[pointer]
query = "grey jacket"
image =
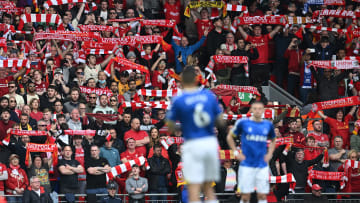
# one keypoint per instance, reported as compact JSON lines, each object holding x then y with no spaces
{"x":132,"y":184}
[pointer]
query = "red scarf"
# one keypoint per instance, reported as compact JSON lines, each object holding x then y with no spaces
{"x":80,"y":132}
{"x":49,"y":3}
{"x":98,"y":91}
{"x":336,"y":64}
{"x":122,"y":168}
{"x":104,"y":117}
{"x":326,"y":175}
{"x":166,"y":143}
{"x":288,"y":178}
{"x":158,"y":93}
{"x":337,"y":103}
{"x":273,"y":19}
{"x":124,"y":20}
{"x":32,"y":147}
{"x":92,"y":28}
{"x":141,"y":104}
{"x":229,"y":90}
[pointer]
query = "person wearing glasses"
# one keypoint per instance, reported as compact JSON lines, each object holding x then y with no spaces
{"x":30,"y":93}
{"x":36,"y":193}
{"x":79,"y":80}
{"x":91,"y":104}
{"x":112,"y":189}
{"x":12,"y":93}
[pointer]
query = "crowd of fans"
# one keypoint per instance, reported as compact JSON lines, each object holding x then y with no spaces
{"x":48,"y":94}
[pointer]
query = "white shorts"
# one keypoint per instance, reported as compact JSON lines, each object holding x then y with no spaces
{"x":201,"y":160}
{"x":250,"y":177}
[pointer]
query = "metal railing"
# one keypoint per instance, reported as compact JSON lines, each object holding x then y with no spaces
{"x":173,"y":197}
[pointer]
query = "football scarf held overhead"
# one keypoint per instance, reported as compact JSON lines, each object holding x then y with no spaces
{"x":7,"y":63}
{"x":159,"y":23}
{"x":49,"y":3}
{"x":104,"y":117}
{"x":206,"y":4}
{"x":228,"y":90}
{"x":335,"y":13}
{"x":337,"y":103}
{"x":92,"y":28}
{"x":321,"y":28}
{"x":273,"y":19}
{"x":80,"y":132}
{"x":122,"y":168}
{"x":133,"y":40}
{"x":41,"y":18}
{"x":98,"y":91}
{"x":326,"y":2}
{"x":32,"y":147}
{"x":335,"y":64}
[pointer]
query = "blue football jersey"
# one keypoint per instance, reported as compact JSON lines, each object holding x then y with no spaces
{"x":197,"y":112}
{"x":254,"y":136}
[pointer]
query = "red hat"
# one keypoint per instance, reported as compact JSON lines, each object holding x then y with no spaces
{"x":316,"y":187}
{"x":268,"y":114}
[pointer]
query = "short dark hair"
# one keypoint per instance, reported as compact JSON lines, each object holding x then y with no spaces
{"x":157,"y":146}
{"x":188,"y":75}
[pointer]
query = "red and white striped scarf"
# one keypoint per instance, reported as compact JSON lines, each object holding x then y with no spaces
{"x":49,"y":3}
{"x":235,"y":116}
{"x":87,"y":7}
{"x":239,"y":8}
{"x":288,"y":178}
{"x":14,"y":63}
{"x":141,"y":104}
{"x":158,"y":93}
{"x":41,"y":18}
{"x":97,"y":51}
{"x":122,"y":168}
{"x":166,"y":143}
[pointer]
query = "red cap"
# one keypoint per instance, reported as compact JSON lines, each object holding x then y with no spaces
{"x":268,"y":113}
{"x":316,"y":187}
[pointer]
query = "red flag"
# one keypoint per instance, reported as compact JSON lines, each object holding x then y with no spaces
{"x":108,"y":137}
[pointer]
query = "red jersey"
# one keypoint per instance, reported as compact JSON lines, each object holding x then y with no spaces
{"x":172,"y":12}
{"x":42,"y":87}
{"x":321,"y":139}
{"x":139,"y":135}
{"x":80,"y":157}
{"x":299,"y":138}
{"x":203,"y":25}
{"x":340,"y":128}
{"x":131,"y":156}
{"x":311,"y":153}
{"x":353,"y":184}
{"x":4,"y":89}
{"x":2,"y":170}
{"x":154,"y":79}
{"x":262,"y":45}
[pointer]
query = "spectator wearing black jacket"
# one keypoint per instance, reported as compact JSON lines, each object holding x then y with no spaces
{"x":36,"y":193}
{"x":216,"y":37}
{"x":238,"y":73}
{"x":47,"y":101}
{"x":296,"y":165}
{"x":159,"y":168}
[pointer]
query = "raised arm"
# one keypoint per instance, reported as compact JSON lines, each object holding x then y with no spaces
{"x":275,"y":31}
{"x":243,"y":33}
{"x":106,"y":61}
{"x":321,"y":114}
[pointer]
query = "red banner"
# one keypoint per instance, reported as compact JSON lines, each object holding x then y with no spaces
{"x":98,"y":91}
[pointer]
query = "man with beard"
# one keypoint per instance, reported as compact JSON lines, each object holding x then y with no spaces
{"x":30,"y":93}
{"x":47,"y":100}
{"x":141,"y":137}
